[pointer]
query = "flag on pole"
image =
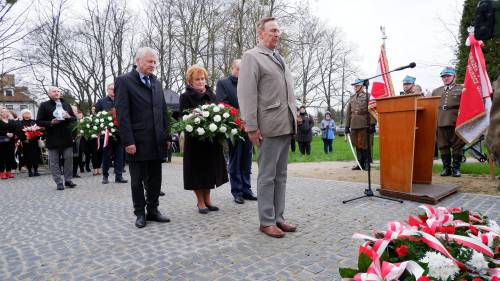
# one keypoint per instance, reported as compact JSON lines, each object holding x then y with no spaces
{"x":475,"y":102}
{"x":382,"y":85}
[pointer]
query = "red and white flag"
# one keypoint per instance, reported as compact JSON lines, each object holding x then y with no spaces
{"x":106,"y":138}
{"x":382,"y":85}
{"x":475,"y":103}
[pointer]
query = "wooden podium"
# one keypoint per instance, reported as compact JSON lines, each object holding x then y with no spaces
{"x":407,"y":133}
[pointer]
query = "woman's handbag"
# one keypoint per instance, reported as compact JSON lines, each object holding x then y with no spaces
{"x":329,"y":134}
{"x":41,"y":143}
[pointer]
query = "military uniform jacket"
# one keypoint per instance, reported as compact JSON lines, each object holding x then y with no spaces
{"x":357,"y":112}
{"x":449,"y":104}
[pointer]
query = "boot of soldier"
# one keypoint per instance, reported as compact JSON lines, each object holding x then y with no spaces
{"x":446,"y":165}
{"x":455,"y":167}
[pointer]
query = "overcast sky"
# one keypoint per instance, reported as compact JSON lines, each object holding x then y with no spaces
{"x":416,"y":31}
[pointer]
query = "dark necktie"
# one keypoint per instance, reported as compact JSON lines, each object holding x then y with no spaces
{"x":278,"y":57}
{"x":147,"y":82}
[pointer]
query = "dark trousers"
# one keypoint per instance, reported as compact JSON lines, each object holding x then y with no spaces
{"x":113,"y":149}
{"x":96,"y":154}
{"x":7,"y":160}
{"x":305,"y":148}
{"x":292,"y":144}
{"x":327,"y":145}
{"x":145,"y":175}
{"x":449,"y":143}
{"x":240,"y":167}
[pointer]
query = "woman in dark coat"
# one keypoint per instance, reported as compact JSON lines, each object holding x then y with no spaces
{"x":8,"y":129}
{"x":204,"y":164}
{"x":31,"y":150}
{"x":305,"y":123}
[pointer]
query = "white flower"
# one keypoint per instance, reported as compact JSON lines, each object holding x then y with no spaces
{"x":216,"y":109}
{"x":221,"y":105}
{"x":99,"y":113}
{"x":113,"y":130}
{"x":234,"y":131}
{"x":440,"y":266}
{"x":477,"y":261}
{"x":110,"y":118}
{"x":185,"y":117}
{"x":93,"y":136}
{"x":189,"y":128}
{"x":217,"y":118}
{"x":88,"y":125}
{"x":81,"y":132}
{"x":197,"y":120}
{"x":103,"y":132}
{"x":205,"y":114}
{"x":102,"y":125}
{"x":95,"y":128}
{"x":212,"y":127}
{"x":205,"y":106}
{"x":225,"y":115}
{"x":200,"y":131}
{"x":81,"y":120}
{"x":111,"y":124}
{"x":222,"y":129}
{"x":101,"y":120}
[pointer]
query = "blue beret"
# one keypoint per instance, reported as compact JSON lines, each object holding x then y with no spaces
{"x":358,"y":82}
{"x":409,"y":80}
{"x":448,"y":71}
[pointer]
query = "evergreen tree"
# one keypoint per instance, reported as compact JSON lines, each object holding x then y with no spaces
{"x":491,"y":49}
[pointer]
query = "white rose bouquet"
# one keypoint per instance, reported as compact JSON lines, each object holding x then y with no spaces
{"x":215,"y":122}
{"x":95,"y":125}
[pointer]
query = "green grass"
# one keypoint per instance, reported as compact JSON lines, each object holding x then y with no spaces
{"x":470,"y":168}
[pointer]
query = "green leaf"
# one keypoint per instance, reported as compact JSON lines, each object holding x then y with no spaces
{"x":364,"y":262}
{"x":463,"y":216}
{"x":347,"y":272}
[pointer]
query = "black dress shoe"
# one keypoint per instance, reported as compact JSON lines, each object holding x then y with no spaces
{"x":250,"y":197}
{"x":203,"y":210}
{"x":105,"y":180}
{"x":212,"y":208}
{"x":36,"y":174}
{"x":76,"y":176}
{"x":60,"y":187}
{"x":355,"y":168}
{"x":140,"y":222}
{"x":157,"y":216}
{"x":162,"y":193}
{"x":121,"y":180}
{"x":239,"y":200}
{"x":70,"y":184}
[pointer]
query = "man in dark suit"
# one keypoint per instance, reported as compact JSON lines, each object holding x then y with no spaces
{"x":240,"y":152}
{"x":114,"y":147}
{"x":143,"y":121}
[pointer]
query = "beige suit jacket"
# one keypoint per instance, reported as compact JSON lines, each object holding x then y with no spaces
{"x":265,"y":94}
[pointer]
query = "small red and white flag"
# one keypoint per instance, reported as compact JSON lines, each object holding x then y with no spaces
{"x":475,"y":102}
{"x":382,"y":85}
{"x":106,"y":138}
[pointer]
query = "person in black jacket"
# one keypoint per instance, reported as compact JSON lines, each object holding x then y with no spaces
{"x":31,"y":150}
{"x":114,"y":149}
{"x":304,"y":130}
{"x":8,"y":130}
{"x":57,"y":116}
{"x":143,"y":121}
{"x":240,"y":153}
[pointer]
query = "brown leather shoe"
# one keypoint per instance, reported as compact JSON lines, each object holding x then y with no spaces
{"x":272,"y":231}
{"x":286,"y":227}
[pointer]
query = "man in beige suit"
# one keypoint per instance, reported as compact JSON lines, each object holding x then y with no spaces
{"x":267,"y":105}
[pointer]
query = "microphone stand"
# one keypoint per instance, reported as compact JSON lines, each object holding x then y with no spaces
{"x":369,"y":192}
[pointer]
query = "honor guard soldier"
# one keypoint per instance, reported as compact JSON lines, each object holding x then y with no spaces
{"x":450,"y":145}
{"x":356,"y":123}
{"x":408,"y":85}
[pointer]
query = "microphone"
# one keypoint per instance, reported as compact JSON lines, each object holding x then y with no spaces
{"x":411,"y":65}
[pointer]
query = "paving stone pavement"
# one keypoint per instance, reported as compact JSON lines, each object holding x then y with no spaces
{"x":88,"y":233}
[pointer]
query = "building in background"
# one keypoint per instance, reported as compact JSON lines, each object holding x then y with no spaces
{"x":15,"y":98}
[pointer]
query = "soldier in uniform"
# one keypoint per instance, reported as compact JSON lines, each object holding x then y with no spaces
{"x":408,"y":85}
{"x":450,"y":145}
{"x":356,"y":123}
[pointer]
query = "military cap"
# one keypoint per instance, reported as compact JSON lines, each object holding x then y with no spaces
{"x":448,"y":71}
{"x":409,"y":80}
